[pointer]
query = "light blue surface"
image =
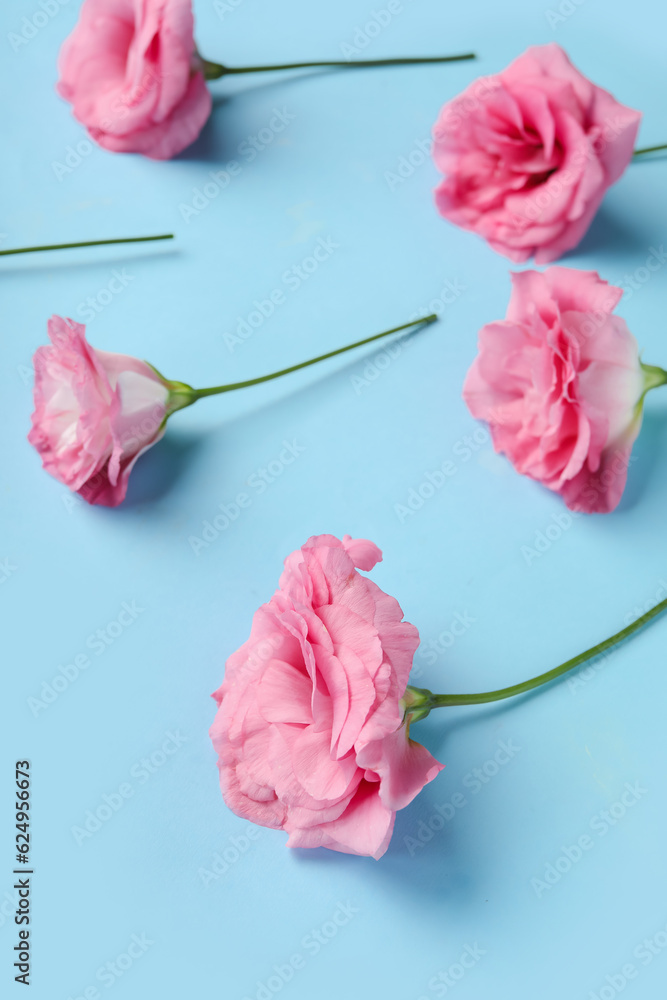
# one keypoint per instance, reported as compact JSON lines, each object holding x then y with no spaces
{"x":366,"y":444}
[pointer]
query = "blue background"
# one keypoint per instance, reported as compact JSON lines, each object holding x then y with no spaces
{"x":156,"y":866}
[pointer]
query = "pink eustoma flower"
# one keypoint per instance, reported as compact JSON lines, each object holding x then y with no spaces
{"x":528,"y":155}
{"x":95,"y":413}
{"x":132,"y":75}
{"x":310,"y":731}
{"x":560,"y":383}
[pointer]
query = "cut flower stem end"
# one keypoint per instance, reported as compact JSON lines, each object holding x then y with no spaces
{"x":650,"y":149}
{"x":419,"y":701}
{"x":182,"y":395}
{"x":89,"y":243}
{"x":213,"y":70}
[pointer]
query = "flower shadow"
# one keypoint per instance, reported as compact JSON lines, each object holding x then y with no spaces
{"x":214,"y":143}
{"x":59,"y":260}
{"x":645,"y":463}
{"x":609,"y":237}
{"x":158,"y":471}
{"x":657,"y":154}
{"x":219,"y":140}
{"x":448,"y":869}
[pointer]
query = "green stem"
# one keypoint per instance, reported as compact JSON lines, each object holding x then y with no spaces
{"x":90,"y":243}
{"x":213,"y":70}
{"x":216,"y":389}
{"x":649,"y":149}
{"x":423,"y":701}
